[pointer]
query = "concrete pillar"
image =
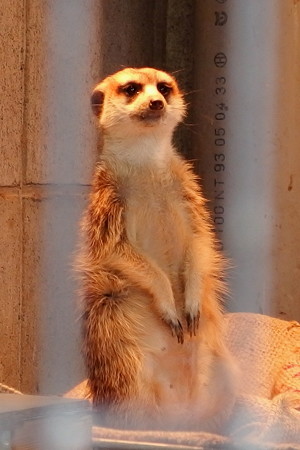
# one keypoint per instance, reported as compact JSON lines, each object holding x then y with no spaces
{"x":12,"y":56}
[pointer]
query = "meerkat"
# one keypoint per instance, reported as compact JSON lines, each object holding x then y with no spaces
{"x":152,"y":275}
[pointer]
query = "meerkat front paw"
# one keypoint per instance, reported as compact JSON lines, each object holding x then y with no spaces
{"x":192,"y":321}
{"x":176,"y":329}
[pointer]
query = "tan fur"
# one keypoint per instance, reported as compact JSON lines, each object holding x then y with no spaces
{"x":152,"y":276}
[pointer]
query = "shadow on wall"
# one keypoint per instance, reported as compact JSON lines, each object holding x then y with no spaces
{"x":158,"y":34}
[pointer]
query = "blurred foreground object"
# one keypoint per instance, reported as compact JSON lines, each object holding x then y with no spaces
{"x":46,"y":423}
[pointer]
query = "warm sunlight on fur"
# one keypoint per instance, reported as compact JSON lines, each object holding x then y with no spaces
{"x":152,"y":275}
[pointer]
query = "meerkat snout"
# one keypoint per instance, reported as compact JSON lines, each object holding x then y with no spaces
{"x":152,"y":110}
{"x":156,"y":105}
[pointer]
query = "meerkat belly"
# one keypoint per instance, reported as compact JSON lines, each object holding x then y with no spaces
{"x":159,"y":229}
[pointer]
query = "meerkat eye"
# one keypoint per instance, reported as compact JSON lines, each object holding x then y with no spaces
{"x":131,"y":89}
{"x":164,"y":89}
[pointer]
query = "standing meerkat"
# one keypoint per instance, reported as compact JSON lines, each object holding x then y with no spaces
{"x":152,"y":275}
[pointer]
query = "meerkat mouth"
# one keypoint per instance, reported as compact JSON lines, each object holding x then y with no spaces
{"x":149,"y":116}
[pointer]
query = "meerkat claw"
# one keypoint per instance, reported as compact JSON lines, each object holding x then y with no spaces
{"x":192,"y":323}
{"x":176,"y":329}
{"x":179,"y":333}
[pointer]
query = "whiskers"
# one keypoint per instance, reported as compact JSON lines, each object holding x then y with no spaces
{"x":175,"y":72}
{"x":114,"y":113}
{"x":194,"y":91}
{"x":193,"y":127}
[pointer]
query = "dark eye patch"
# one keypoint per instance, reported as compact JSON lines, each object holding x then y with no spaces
{"x":164,"y":88}
{"x":131,"y":89}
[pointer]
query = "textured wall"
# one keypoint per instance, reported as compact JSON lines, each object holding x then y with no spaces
{"x":286,"y":231}
{"x":12,"y":56}
{"x":48,"y":148}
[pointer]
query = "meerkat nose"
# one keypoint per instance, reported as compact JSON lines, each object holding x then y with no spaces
{"x":156,"y":105}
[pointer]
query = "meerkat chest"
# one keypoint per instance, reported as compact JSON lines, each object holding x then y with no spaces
{"x":156,"y":220}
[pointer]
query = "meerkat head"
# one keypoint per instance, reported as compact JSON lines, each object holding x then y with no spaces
{"x":138,"y":101}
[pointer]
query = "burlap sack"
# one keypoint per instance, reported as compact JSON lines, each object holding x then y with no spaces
{"x":266,"y":413}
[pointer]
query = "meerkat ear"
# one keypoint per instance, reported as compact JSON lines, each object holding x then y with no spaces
{"x":97,"y":99}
